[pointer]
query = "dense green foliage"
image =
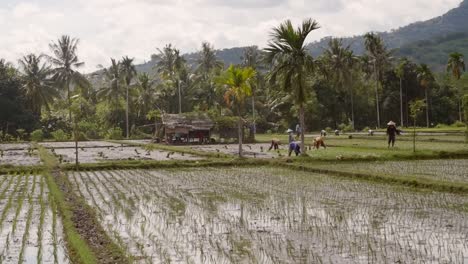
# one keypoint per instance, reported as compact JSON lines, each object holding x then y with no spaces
{"x":336,"y":90}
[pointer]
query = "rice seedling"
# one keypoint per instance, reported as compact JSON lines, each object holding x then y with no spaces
{"x":274,"y":215}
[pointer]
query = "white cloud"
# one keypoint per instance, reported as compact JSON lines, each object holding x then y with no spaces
{"x":114,"y":28}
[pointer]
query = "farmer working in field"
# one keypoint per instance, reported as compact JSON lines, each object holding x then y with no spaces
{"x":392,"y":131}
{"x":274,"y":144}
{"x":318,"y":141}
{"x":294,"y":146}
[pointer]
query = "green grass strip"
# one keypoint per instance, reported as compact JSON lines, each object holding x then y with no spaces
{"x":86,"y":240}
{"x":79,"y":251}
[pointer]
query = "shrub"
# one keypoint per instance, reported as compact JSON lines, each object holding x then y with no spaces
{"x":60,"y":135}
{"x":348,"y":128}
{"x":458,"y":124}
{"x":441,"y":125}
{"x":328,"y":129}
{"x":37,"y":135}
{"x":342,"y":126}
{"x":7,"y":137}
{"x":90,"y":129}
{"x":366,"y":129}
{"x":20,"y":133}
{"x":114,"y":133}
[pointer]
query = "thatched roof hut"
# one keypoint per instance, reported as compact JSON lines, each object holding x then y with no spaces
{"x":187,"y":128}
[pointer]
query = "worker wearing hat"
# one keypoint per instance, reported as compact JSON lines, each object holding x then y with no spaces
{"x":392,"y":131}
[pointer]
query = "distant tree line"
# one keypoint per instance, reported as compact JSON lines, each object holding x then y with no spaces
{"x":271,"y":89}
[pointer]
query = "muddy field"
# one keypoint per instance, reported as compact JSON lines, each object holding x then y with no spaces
{"x":81,"y":144}
{"x":100,"y":154}
{"x":249,"y":150}
{"x":269,"y":215}
{"x":443,"y":170}
{"x":30,"y":228}
{"x":19,"y":154}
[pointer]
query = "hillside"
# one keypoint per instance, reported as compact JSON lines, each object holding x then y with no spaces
{"x":427,"y":42}
{"x":435,"y":52}
{"x":439,"y":36}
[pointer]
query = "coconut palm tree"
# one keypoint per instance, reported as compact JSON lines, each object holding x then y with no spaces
{"x":113,"y":91}
{"x":291,"y":63}
{"x":146,"y":94}
{"x":170,"y":66}
{"x":425,"y":77}
{"x":238,"y":87}
{"x":251,"y":58}
{"x":207,"y":66}
{"x":65,"y":62}
{"x":400,"y":71}
{"x":128,"y":72}
{"x":456,"y":65}
{"x":380,"y":56}
{"x":341,"y":62}
{"x":37,"y":86}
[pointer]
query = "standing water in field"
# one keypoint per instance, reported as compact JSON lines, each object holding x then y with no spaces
{"x":270,"y":215}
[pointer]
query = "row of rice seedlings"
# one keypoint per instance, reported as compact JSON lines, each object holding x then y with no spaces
{"x":141,"y":212}
{"x":144,"y":176}
{"x":28,"y":221}
{"x":104,"y":207}
{"x":40,"y":229}
{"x":143,"y":216}
{"x":5,"y":246}
{"x":291,"y":219}
{"x":128,"y":210}
{"x":19,"y":205}
{"x":55,"y":241}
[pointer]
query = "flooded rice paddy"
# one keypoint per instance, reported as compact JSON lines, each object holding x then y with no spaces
{"x":30,"y":228}
{"x":20,"y":154}
{"x":270,"y":215}
{"x":118,"y":153}
{"x":455,"y":170}
{"x":249,"y":150}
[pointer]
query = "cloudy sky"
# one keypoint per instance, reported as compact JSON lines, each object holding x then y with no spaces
{"x":113,"y":28}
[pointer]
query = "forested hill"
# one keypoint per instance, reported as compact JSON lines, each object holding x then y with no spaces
{"x":427,"y":42}
{"x":433,"y":35}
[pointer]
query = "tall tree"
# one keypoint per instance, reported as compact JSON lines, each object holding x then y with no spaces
{"x":251,"y":58}
{"x":207,"y":66}
{"x":237,"y":82}
{"x":377,"y":51}
{"x":291,"y":63}
{"x":37,"y":86}
{"x":400,"y":71}
{"x":112,"y":91}
{"x":341,"y":61}
{"x":170,"y":67}
{"x":456,"y":65}
{"x":66,"y":62}
{"x":128,"y":72}
{"x":425,"y":78}
{"x":145,"y":94}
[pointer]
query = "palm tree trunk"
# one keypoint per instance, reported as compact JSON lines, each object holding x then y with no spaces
{"x":352,"y":101}
{"x":240,"y":125}
{"x":253,"y":116}
{"x":302,"y":121}
{"x":406,"y":106}
{"x":69,"y":100}
{"x":377,"y":95}
{"x":126,"y":112}
{"x":460,"y":110}
{"x":427,"y":108}
{"x":414,"y":135}
{"x":401,"y":102}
